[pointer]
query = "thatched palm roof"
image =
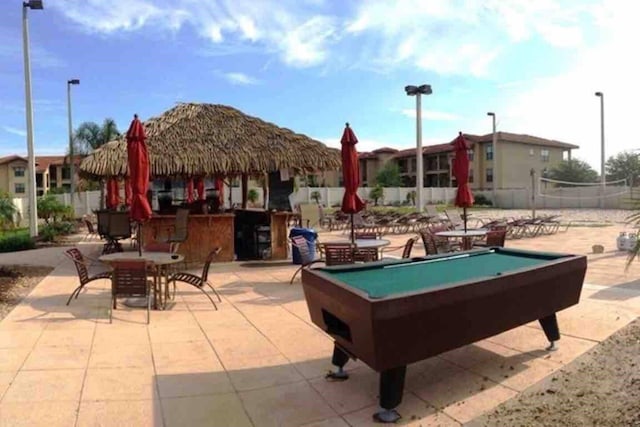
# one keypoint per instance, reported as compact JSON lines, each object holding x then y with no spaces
{"x":208,"y":139}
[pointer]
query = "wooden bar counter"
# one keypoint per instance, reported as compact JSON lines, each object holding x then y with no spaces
{"x":206,"y":232}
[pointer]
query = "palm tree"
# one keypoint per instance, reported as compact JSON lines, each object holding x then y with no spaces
{"x":90,"y":136}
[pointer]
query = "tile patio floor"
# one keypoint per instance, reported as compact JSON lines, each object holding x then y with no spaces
{"x":258,"y":361}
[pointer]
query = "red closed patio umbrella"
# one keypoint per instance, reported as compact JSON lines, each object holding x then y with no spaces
{"x":219,"y":185}
{"x":138,"y":162}
{"x":113,"y":198}
{"x":351,"y":201}
{"x":190,"y":189}
{"x":200,"y":188}
{"x":127,"y":191}
{"x":464,"y":197}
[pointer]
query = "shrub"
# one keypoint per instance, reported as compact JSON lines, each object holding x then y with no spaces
{"x":315,"y":196}
{"x":482,"y":200}
{"x":50,"y":208}
{"x":49,"y":232}
{"x":16,"y":241}
{"x":376,"y":193}
{"x":252,"y":195}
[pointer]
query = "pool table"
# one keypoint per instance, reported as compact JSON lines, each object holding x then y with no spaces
{"x":392,"y":313}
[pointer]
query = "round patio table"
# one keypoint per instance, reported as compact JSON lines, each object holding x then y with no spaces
{"x":465,"y":236}
{"x":160,"y":261}
{"x":360,"y":243}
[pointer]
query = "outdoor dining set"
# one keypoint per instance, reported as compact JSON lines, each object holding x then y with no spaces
{"x":144,"y":274}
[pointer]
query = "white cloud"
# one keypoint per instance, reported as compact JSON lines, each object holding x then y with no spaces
{"x":431,"y":115}
{"x":240,"y":79}
{"x":294,"y":31}
{"x":14,"y":131}
{"x":563,"y":106}
{"x":460,"y":37}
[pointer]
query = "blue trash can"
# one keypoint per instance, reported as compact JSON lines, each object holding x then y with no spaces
{"x":310,"y":236}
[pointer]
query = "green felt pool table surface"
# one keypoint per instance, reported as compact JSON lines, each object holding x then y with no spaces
{"x":384,"y":279}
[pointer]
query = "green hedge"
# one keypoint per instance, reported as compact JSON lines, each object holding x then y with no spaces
{"x":16,"y":241}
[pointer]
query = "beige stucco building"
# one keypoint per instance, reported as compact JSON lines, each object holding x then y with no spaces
{"x":510,"y":166}
{"x":51,"y":172}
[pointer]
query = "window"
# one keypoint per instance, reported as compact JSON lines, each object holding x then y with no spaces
{"x":66,"y":172}
{"x":470,"y":154}
{"x":544,"y":155}
{"x":489,"y":152}
{"x":19,"y":188}
{"x":489,"y":175}
{"x":531,"y":152}
{"x":413,"y":165}
{"x":470,"y":176}
{"x":18,"y":171}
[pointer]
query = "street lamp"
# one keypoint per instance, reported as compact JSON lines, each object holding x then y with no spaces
{"x":494,"y":144}
{"x":603,"y":182}
{"x":33,"y":206}
{"x":418,"y":91}
{"x":72,"y":172}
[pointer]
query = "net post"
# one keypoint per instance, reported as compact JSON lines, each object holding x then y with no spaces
{"x":532,"y":172}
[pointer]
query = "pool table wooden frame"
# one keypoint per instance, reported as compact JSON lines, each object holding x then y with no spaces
{"x":389,"y":333}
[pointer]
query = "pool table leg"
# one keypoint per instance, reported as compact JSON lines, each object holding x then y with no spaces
{"x":339,"y":359}
{"x":391,"y":388}
{"x":550,"y":327}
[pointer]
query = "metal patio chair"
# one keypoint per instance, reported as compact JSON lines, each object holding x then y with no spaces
{"x":198,"y":281}
{"x":129,"y":279}
{"x":82,"y":267}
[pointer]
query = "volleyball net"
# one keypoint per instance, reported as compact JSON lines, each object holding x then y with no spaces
{"x":557,"y":189}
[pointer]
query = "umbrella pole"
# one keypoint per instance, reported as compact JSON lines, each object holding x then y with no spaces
{"x":353,"y":239}
{"x":139,"y":239}
{"x":464,"y":213}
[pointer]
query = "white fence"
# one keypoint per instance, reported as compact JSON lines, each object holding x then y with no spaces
{"x":582,"y":197}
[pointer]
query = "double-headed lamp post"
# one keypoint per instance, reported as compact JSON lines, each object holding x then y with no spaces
{"x":33,"y":206}
{"x":72,"y":171}
{"x":494,"y":143}
{"x":418,"y":91}
{"x":603,"y":180}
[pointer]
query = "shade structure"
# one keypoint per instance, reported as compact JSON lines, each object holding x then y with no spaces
{"x":112,"y":196}
{"x":190,"y":190}
{"x":138,"y":162}
{"x":194,"y":139}
{"x":464,"y":197}
{"x":351,"y":201}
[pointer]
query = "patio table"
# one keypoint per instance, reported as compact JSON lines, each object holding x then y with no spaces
{"x":160,"y":262}
{"x":360,"y":243}
{"x":465,"y":236}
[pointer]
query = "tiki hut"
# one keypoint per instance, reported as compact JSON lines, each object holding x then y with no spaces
{"x":206,"y":140}
{"x":195,"y":139}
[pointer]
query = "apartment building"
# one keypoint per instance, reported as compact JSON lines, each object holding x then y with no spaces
{"x":51,"y":172}
{"x":509,"y":166}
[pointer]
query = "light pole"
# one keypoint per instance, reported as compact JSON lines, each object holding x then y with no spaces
{"x":494,"y":143}
{"x":418,"y":91}
{"x":72,"y":172}
{"x":33,"y":206}
{"x":603,"y":180}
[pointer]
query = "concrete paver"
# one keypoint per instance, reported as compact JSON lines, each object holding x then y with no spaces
{"x":259,"y":360}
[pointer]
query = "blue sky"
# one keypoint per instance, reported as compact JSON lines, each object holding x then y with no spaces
{"x":312,"y":65}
